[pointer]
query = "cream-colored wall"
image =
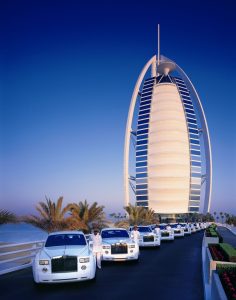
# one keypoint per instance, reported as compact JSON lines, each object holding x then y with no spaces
{"x":168,"y":152}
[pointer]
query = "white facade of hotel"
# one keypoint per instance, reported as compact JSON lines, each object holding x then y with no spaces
{"x":169,"y":172}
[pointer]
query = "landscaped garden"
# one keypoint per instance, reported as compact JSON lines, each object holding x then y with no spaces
{"x":227,"y":275}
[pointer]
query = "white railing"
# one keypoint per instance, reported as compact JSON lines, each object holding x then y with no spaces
{"x":14,"y":257}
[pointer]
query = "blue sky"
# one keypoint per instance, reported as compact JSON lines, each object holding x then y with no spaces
{"x":67,"y":71}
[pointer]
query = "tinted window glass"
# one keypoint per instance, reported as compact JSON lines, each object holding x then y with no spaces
{"x":191,"y":121}
{"x":141,"y":180}
{"x":194,"y":142}
{"x":144,"y":229}
{"x":145,"y":126}
{"x":142,"y":203}
{"x":196,"y":175}
{"x":142,"y":197}
{"x":142,"y":147}
{"x":65,"y":239}
{"x":145,"y":102}
{"x":143,"y":131}
{"x":143,"y":112}
{"x":195,"y":152}
{"x":141,"y":164}
{"x":143,"y":117}
{"x":195,"y":163}
{"x":139,"y":153}
{"x":143,"y":142}
{"x":193,"y":130}
{"x":141,"y":192}
{"x":142,"y":136}
{"x":142,"y":169}
{"x":115,"y":233}
{"x":141,"y":158}
{"x":141,"y":175}
{"x":140,"y":122}
{"x":193,"y":208}
{"x":141,"y":186}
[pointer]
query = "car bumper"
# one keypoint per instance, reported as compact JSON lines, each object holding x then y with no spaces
{"x":167,"y":238}
{"x":63,"y":277}
{"x":120,"y":257}
{"x":150,"y":244}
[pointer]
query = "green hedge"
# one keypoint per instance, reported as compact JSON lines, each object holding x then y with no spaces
{"x":229,"y":251}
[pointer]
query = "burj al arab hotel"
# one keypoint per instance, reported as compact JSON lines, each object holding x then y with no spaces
{"x":172,"y":154}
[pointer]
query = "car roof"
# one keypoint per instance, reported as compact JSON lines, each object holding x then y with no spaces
{"x":113,"y":228}
{"x":66,"y":232}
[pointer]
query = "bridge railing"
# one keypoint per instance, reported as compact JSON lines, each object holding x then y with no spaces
{"x":14,"y":257}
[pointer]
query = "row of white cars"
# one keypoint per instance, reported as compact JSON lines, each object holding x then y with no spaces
{"x":67,"y":256}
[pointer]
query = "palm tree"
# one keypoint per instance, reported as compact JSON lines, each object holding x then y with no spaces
{"x":214,"y":215}
{"x":91,"y":215}
{"x":140,"y":215}
{"x":7,"y":217}
{"x":52,"y":217}
{"x":222,"y":216}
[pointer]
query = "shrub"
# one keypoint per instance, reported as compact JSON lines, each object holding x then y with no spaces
{"x":217,"y":253}
{"x":229,"y":251}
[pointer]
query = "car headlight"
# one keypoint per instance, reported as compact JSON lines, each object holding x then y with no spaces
{"x":131,"y":246}
{"x":84,"y":260}
{"x":44,"y":262}
{"x":105,"y":247}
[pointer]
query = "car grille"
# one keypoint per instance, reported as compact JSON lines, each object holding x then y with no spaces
{"x":119,"y":248}
{"x":64,"y":264}
{"x":165,"y":234}
{"x":177,"y":231}
{"x":148,"y":238}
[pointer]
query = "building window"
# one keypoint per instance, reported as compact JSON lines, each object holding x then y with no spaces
{"x":141,"y":158}
{"x":141,"y":186}
{"x":141,"y":137}
{"x":143,"y":117}
{"x":194,"y":142}
{"x":142,"y":198}
{"x":142,"y":127}
{"x":141,"y":192}
{"x":142,"y":131}
{"x":139,"y":153}
{"x":141,"y":180}
{"x":143,"y":122}
{"x":141,"y":175}
{"x":141,"y":169}
{"x":142,"y":147}
{"x":142,"y":203}
{"x":143,"y":142}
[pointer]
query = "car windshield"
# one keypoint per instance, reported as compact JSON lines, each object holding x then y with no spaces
{"x":115,"y":233}
{"x":162,"y":227}
{"x":173,"y":225}
{"x":65,"y":240}
{"x":144,"y":229}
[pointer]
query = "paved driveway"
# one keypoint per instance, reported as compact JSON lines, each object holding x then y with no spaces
{"x":171,"y":272}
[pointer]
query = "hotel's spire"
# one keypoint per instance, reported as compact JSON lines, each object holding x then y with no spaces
{"x":158,"y":44}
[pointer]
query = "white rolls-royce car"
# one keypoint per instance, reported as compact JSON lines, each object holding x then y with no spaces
{"x":167,"y":232}
{"x":178,"y":230}
{"x":186,"y":227}
{"x":193,"y":228}
{"x":65,"y":257}
{"x":147,"y":237}
{"x":197,"y":226}
{"x":117,"y":245}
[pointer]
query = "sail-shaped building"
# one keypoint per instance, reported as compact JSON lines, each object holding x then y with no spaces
{"x":172,"y":143}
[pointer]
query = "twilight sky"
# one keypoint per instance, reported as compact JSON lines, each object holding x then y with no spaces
{"x":67,"y":72}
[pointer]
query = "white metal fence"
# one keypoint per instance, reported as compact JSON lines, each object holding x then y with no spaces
{"x":15,"y":257}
